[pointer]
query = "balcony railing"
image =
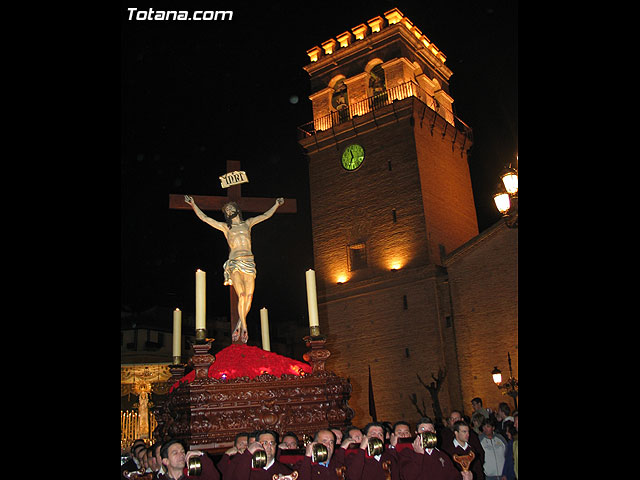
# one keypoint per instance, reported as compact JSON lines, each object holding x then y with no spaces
{"x":399,"y":92}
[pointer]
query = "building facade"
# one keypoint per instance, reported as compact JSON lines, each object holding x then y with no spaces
{"x":391,"y":197}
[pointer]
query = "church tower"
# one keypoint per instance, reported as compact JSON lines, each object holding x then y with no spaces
{"x":390,"y":196}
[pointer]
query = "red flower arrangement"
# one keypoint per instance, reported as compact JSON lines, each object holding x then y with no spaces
{"x":238,"y":361}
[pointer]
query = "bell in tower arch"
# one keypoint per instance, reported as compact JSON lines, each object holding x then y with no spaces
{"x":340,"y":100}
{"x":377,"y":86}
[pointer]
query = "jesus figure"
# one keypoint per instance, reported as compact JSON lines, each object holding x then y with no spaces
{"x":240,"y":268}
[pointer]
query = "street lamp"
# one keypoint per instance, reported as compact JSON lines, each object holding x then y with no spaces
{"x":509,"y":178}
{"x":510,"y":387}
{"x":506,"y":196}
{"x":497,"y":376}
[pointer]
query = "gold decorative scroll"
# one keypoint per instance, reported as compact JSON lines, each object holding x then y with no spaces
{"x":144,"y":378}
{"x":464,"y":460}
{"x":147,"y":373}
{"x":158,"y":388}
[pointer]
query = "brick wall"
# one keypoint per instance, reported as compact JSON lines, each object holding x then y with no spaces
{"x":352,"y":207}
{"x":394,"y":321}
{"x":390,"y":324}
{"x":445,"y":181}
{"x":484,"y":288}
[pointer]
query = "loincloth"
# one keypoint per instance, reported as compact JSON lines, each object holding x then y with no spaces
{"x":244,"y":264}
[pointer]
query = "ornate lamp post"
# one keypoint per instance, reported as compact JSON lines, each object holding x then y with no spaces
{"x":506,"y":196}
{"x":510,"y":387}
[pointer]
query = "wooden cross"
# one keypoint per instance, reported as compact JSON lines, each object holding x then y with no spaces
{"x":246,"y":204}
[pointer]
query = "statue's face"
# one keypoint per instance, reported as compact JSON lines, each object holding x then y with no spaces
{"x":231,"y":211}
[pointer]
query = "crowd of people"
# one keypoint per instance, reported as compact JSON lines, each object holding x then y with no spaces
{"x":491,"y":436}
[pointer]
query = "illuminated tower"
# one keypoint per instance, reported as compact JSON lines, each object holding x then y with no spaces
{"x":390,"y":195}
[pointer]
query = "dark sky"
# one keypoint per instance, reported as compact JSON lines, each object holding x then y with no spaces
{"x":196,"y":94}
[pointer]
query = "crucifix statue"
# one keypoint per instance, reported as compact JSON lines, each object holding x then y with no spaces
{"x":239,"y":269}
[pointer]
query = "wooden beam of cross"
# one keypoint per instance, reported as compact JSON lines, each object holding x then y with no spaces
{"x":246,"y":204}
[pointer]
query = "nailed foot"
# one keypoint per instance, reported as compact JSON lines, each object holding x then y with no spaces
{"x":236,"y":332}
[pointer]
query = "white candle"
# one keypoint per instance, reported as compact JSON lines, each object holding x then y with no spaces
{"x":201,"y":303}
{"x":312,"y":299}
{"x":177,"y":332}
{"x":264,"y":324}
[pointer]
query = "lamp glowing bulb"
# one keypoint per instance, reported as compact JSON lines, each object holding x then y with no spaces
{"x":502,"y":202}
{"x":342,"y":278}
{"x":497,"y":376}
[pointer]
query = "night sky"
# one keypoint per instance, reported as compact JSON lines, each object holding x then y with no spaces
{"x":196,"y":94}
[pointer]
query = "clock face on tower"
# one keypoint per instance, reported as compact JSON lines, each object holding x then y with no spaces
{"x":352,"y":157}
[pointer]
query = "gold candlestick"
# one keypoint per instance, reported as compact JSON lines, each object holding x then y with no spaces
{"x":201,"y":335}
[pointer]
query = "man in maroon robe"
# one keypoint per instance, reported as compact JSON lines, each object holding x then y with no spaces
{"x":266,"y":440}
{"x":431,"y":464}
{"x":227,"y":462}
{"x":174,"y":461}
{"x":362,"y":466}
{"x":460,"y":446}
{"x":446,"y":435}
{"x":308,"y":470}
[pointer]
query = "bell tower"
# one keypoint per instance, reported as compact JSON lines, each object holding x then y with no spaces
{"x":390,"y":195}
